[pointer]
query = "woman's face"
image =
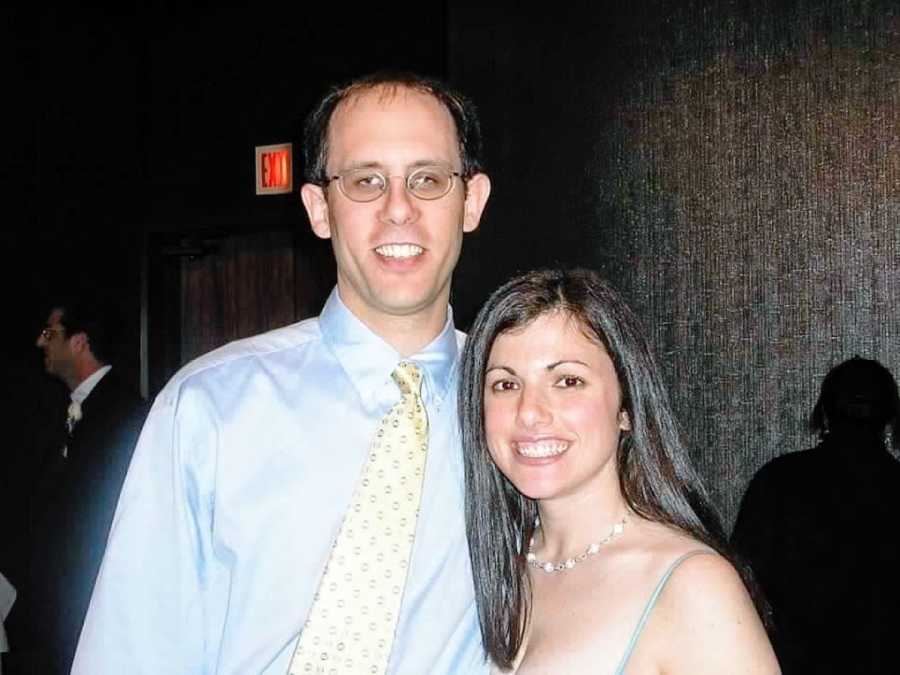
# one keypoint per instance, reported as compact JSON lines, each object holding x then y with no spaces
{"x":552,"y":409}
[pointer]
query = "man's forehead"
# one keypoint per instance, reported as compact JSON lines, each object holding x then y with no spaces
{"x":351,"y":115}
{"x":387,"y":94}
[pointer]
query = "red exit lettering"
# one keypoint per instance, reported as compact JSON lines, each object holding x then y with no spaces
{"x":275,"y":169}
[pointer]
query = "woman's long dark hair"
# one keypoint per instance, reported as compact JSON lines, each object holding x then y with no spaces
{"x":655,"y":475}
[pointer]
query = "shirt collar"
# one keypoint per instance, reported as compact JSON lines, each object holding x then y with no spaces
{"x":368,"y":360}
{"x":87,"y":385}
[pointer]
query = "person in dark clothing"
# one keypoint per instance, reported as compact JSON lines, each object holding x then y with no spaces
{"x":81,"y":468}
{"x":819,"y":528}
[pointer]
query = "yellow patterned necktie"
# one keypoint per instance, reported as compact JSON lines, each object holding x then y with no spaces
{"x":351,"y":624}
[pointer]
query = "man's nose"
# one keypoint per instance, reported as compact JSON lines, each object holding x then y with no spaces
{"x":400,"y":206}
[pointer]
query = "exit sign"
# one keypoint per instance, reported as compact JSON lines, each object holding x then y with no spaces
{"x":274,"y":169}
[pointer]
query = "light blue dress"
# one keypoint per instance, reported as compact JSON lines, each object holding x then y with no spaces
{"x":649,"y":607}
{"x":638,"y":629}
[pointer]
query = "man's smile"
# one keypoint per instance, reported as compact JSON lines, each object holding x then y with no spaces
{"x":399,"y":250}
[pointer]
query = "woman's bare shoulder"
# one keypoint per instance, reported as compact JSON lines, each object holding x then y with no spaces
{"x":663,"y":544}
{"x":706,"y":611}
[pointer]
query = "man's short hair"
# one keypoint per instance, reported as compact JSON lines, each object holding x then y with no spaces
{"x":93,"y":321}
{"x":461,"y":109}
{"x":858,"y":394}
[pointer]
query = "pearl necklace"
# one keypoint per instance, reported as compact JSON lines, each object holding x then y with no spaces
{"x":569,"y":563}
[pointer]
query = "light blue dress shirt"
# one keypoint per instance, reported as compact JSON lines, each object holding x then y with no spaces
{"x":237,"y":489}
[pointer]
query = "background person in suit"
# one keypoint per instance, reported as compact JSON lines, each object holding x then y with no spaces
{"x":73,"y":500}
{"x":819,"y":529}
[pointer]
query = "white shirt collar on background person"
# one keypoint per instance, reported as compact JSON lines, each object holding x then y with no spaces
{"x":83,"y":390}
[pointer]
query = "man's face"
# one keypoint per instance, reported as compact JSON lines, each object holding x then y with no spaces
{"x":58,"y":355}
{"x":395,"y":255}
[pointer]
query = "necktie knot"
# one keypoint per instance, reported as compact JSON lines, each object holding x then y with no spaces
{"x":408,"y":377}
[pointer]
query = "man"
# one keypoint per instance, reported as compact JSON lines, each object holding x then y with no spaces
{"x":819,"y":528}
{"x":252,"y":454}
{"x":75,"y":498}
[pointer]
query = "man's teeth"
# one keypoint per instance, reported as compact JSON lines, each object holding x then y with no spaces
{"x":399,"y":250}
{"x":542,"y":448}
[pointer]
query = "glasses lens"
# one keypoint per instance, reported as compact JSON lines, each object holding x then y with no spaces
{"x":430,"y":182}
{"x":362,"y":185}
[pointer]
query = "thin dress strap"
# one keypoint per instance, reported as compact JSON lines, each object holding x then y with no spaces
{"x":651,"y":603}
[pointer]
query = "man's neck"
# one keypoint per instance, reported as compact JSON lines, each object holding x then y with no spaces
{"x":88,"y":382}
{"x":82,"y":372}
{"x":407,"y":333}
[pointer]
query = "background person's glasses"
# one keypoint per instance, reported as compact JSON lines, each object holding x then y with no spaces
{"x":366,"y":185}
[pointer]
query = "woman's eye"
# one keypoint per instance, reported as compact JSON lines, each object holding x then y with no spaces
{"x":503,"y":385}
{"x":570,"y":381}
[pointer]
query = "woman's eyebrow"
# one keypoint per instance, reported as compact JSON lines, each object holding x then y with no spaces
{"x":562,"y":362}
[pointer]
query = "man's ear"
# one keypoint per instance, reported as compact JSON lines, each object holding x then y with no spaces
{"x":316,"y":205}
{"x":478,"y":189}
{"x":79,"y":342}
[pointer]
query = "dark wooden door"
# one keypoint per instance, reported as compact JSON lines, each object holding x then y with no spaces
{"x":202,"y":291}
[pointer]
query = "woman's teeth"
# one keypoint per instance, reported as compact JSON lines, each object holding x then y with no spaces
{"x":541,"y":448}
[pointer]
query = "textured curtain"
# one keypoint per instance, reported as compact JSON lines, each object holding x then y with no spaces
{"x":733,"y":167}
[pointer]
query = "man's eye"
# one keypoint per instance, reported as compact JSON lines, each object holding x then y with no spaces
{"x":570,"y":381}
{"x":423,"y":179}
{"x":370,"y":181}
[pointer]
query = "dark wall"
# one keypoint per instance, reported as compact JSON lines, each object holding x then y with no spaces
{"x":137,"y":120}
{"x":732,"y":166}
{"x":222,"y":81}
{"x":70,"y":166}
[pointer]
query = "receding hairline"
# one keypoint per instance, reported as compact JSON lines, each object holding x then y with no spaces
{"x":385,"y":93}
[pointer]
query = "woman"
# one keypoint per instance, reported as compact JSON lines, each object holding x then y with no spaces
{"x":594,"y":548}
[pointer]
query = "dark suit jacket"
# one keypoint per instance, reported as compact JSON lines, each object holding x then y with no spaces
{"x":821,"y":530}
{"x":71,"y":512}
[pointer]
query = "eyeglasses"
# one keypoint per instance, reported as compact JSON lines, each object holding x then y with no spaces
{"x":367,"y":185}
{"x":48,"y":333}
